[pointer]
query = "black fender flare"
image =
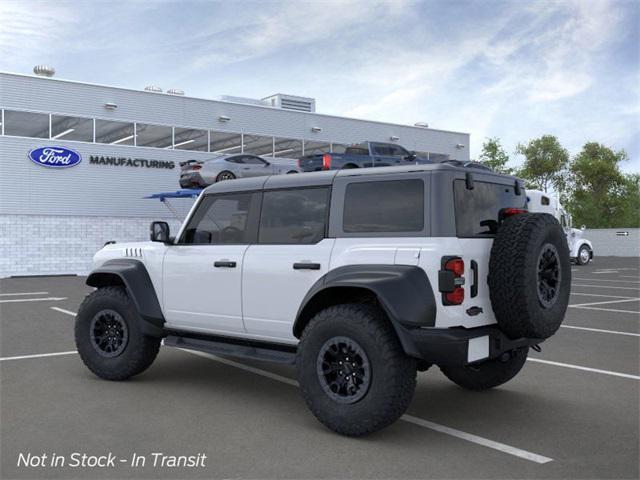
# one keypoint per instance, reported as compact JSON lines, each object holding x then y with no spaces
{"x":403,"y":291}
{"x":134,"y":276}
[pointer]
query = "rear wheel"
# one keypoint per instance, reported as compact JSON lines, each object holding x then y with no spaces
{"x":488,"y":374}
{"x":108,"y":335}
{"x":353,"y":372}
{"x":225,"y":175}
{"x":584,"y":255}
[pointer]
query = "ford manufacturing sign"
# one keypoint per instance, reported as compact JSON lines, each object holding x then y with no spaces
{"x":55,"y":157}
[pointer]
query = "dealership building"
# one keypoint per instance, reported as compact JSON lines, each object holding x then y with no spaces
{"x":127,"y":144}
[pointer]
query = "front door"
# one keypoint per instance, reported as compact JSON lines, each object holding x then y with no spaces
{"x":203,"y":271}
{"x":292,"y":253}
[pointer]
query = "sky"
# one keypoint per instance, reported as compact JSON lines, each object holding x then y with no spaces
{"x":514,"y":70}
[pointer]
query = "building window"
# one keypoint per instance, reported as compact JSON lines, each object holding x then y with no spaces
{"x":191,"y":139}
{"x":258,"y":145}
{"x":223,"y":142}
{"x":287,"y":148}
{"x":401,"y":211}
{"x":114,"y":133}
{"x":26,"y":124}
{"x":314,"y":148}
{"x":157,"y":136}
{"x":293,"y":216}
{"x":71,"y":128}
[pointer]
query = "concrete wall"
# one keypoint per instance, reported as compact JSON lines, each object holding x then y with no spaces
{"x":47,"y":244}
{"x":607,"y":242}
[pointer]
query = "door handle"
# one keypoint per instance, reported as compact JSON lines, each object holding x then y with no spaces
{"x":474,"y":271}
{"x":306,"y":266}
{"x":224,"y":263}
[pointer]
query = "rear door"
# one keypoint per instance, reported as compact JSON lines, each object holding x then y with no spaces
{"x":292,"y":253}
{"x":390,"y":155}
{"x":477,"y":213}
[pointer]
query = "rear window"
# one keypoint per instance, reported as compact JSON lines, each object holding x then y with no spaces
{"x":477,"y":210}
{"x":386,"y":206}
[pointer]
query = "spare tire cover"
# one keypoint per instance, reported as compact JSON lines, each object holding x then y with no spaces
{"x":530,"y":275}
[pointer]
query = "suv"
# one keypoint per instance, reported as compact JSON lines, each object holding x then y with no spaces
{"x":360,"y":278}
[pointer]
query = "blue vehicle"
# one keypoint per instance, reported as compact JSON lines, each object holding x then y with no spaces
{"x":361,"y":155}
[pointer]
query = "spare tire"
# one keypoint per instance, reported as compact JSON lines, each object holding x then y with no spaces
{"x":529,"y":275}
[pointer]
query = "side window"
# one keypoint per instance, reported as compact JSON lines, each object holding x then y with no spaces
{"x":385,"y":206}
{"x":399,"y":151}
{"x":293,"y":216}
{"x":251,"y":160}
{"x":235,"y":159}
{"x":223,"y":219}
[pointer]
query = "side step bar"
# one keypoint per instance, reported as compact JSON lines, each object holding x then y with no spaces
{"x":234,"y":347}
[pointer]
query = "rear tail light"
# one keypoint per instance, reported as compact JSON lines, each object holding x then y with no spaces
{"x":451,"y":280}
{"x":299,"y":163}
{"x":326,"y":161}
{"x":509,"y":212}
{"x":196,"y":167}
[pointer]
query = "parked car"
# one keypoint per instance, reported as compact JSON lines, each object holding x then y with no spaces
{"x":366,"y":154}
{"x":359,"y":278}
{"x":202,"y":173}
{"x":580,"y":249}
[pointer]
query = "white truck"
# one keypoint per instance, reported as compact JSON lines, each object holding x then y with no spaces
{"x":359,"y":277}
{"x":580,"y":249}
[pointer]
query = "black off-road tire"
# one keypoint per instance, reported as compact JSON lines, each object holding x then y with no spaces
{"x":515,"y":286}
{"x":392,"y":378}
{"x":138,"y":353}
{"x":488,"y":374}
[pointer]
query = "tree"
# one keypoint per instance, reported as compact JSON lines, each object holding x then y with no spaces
{"x":494,"y":156}
{"x":545,"y":163}
{"x":601,"y":195}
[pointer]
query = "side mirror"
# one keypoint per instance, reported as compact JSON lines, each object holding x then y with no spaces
{"x":159,"y":232}
{"x":266,"y":164}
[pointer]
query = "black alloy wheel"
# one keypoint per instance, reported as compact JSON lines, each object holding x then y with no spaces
{"x":109,"y":333}
{"x":344,"y":370}
{"x":549,"y":275}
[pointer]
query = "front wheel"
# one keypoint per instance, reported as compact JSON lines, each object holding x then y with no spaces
{"x":584,"y":255}
{"x":488,"y":374}
{"x":108,"y":335}
{"x":353,"y":372}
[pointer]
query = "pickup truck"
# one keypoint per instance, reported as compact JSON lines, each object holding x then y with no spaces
{"x":361,"y":155}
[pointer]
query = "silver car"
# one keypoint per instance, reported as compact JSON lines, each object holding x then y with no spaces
{"x":202,"y":173}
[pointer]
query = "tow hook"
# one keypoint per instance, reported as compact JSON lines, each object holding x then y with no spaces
{"x":536,"y":348}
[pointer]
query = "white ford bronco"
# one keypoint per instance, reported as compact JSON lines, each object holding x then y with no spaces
{"x":359,"y":277}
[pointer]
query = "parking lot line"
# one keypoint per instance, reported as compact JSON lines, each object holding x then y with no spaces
{"x":599,"y":295}
{"x":23,"y":293}
{"x":606,"y":280}
{"x":607,"y":286}
{"x":47,"y":299}
{"x":41,"y":355}
{"x":586,"y":369}
{"x":62,"y":310}
{"x":607,"y":309}
{"x":628,"y":276}
{"x":605,"y":302}
{"x":599,"y":330}
{"x":469,"y":437}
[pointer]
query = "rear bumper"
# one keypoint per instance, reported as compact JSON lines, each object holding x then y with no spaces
{"x":460,"y":346}
{"x":188,"y":180}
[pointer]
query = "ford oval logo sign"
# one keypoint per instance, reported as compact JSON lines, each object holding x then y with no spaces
{"x":55,"y":157}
